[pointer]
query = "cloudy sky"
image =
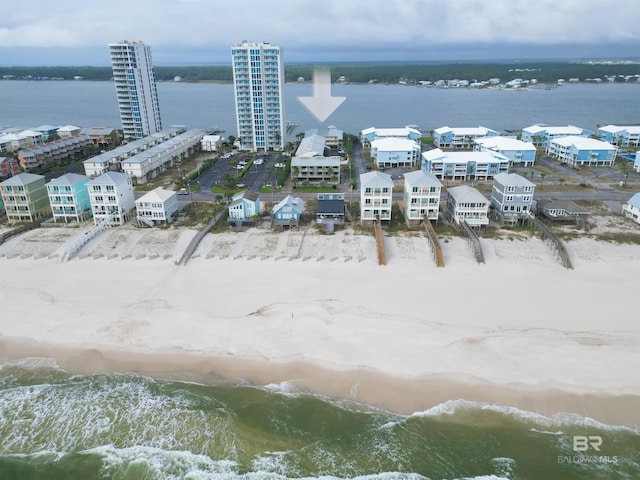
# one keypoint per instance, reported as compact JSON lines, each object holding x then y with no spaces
{"x":76,"y":32}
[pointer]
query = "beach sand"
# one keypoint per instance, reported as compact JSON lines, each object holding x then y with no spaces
{"x":317,"y":313}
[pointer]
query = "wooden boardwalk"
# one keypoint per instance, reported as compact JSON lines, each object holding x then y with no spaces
{"x":556,"y":243}
{"x":382,"y":256}
{"x":435,"y":243}
{"x":474,"y":241}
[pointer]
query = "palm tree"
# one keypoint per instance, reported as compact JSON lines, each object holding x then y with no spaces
{"x":542,"y":175}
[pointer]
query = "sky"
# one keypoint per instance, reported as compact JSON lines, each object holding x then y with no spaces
{"x":201,"y":32}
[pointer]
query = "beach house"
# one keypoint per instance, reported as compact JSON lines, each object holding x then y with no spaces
{"x":157,"y":207}
{"x":376,"y":194}
{"x":287,"y":213}
{"x":111,"y":196}
{"x":25,"y":197}
{"x":620,"y":136}
{"x":47,"y":131}
{"x":368,"y":135}
{"x":395,"y":152}
{"x":244,"y":206}
{"x":518,"y":152}
{"x":421,"y":197}
{"x":460,"y":138}
{"x":331,"y":210}
{"x":511,"y":197}
{"x":69,"y":198}
{"x":631,"y":209}
{"x":464,"y":165}
{"x":575,"y":150}
{"x":542,"y":135}
{"x":211,"y":143}
{"x":559,"y":210}
{"x":467,"y":204}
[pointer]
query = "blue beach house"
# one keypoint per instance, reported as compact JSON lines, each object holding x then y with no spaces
{"x":287,"y":212}
{"x":582,"y":151}
{"x":370,"y":134}
{"x":464,"y":165}
{"x":460,"y":138}
{"x":542,"y":135}
{"x":244,"y":206}
{"x":518,"y":152}
{"x":69,"y":198}
{"x":621,"y":136}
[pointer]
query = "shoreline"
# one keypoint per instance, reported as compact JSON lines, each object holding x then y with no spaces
{"x":519,"y":331}
{"x":366,"y":387}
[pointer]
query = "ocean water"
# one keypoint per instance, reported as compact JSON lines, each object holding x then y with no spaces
{"x":26,"y":104}
{"x":58,"y":425}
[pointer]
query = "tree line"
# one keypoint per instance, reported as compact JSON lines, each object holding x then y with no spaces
{"x":387,"y":72}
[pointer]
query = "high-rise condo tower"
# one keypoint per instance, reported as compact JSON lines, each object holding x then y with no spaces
{"x":258,"y":82}
{"x":136,"y":88}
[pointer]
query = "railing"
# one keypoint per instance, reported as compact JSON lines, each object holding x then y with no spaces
{"x":86,"y":238}
{"x":17,"y":231}
{"x":195,"y":241}
{"x":382,"y":256}
{"x":555,"y":242}
{"x":474,"y":241}
{"x":435,"y":243}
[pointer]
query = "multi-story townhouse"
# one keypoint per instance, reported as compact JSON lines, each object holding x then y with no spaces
{"x":47,"y":131}
{"x":542,"y":135}
{"x":112,"y":160}
{"x":582,"y":151}
{"x":148,"y":164}
{"x":258,"y":83}
{"x":467,"y":204}
{"x":464,"y":165}
{"x":395,"y":152}
{"x":460,"y":138}
{"x":111,"y":195}
{"x":620,"y":136}
{"x":518,"y":152}
{"x":376,"y":194}
{"x":69,"y":198}
{"x":157,"y":207}
{"x":370,"y":134}
{"x":8,"y":167}
{"x":511,"y":196}
{"x":314,"y":170}
{"x":421,"y":197}
{"x":25,"y":197}
{"x":136,"y":88}
{"x":631,"y":209}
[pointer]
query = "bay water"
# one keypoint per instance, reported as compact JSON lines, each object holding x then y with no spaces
{"x":29,"y":104}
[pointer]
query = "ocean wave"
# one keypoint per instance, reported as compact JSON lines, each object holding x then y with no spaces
{"x":452,"y":408}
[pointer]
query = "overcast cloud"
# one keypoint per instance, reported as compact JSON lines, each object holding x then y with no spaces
{"x":202,"y":31}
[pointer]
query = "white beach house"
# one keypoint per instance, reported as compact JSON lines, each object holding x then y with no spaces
{"x":376,"y":194}
{"x":157,"y":207}
{"x":631,"y":209}
{"x":395,"y":152}
{"x":111,"y":195}
{"x":467,"y":204}
{"x":421,"y":197}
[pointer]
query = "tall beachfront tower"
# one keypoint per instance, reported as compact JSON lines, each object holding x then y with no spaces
{"x":136,"y":88}
{"x":258,"y":83}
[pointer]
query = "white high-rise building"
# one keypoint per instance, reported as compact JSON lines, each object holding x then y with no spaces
{"x":136,"y":88}
{"x":258,"y":81}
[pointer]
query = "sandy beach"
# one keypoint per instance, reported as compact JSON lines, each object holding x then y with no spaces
{"x":318,"y":313}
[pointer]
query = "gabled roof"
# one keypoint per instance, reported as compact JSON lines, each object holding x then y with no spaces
{"x":634,"y":201}
{"x":619,"y":129}
{"x":504,"y":143}
{"x":420,"y":178}
{"x":69,"y":179}
{"x":157,"y":194}
{"x":376,"y":179}
{"x":464,"y":130}
{"x":467,"y":194}
{"x":392,"y":144}
{"x":110,"y":178}
{"x":561,"y":130}
{"x":512,"y":180}
{"x":583,"y":143}
{"x":295,"y":203}
{"x":22,"y":179}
